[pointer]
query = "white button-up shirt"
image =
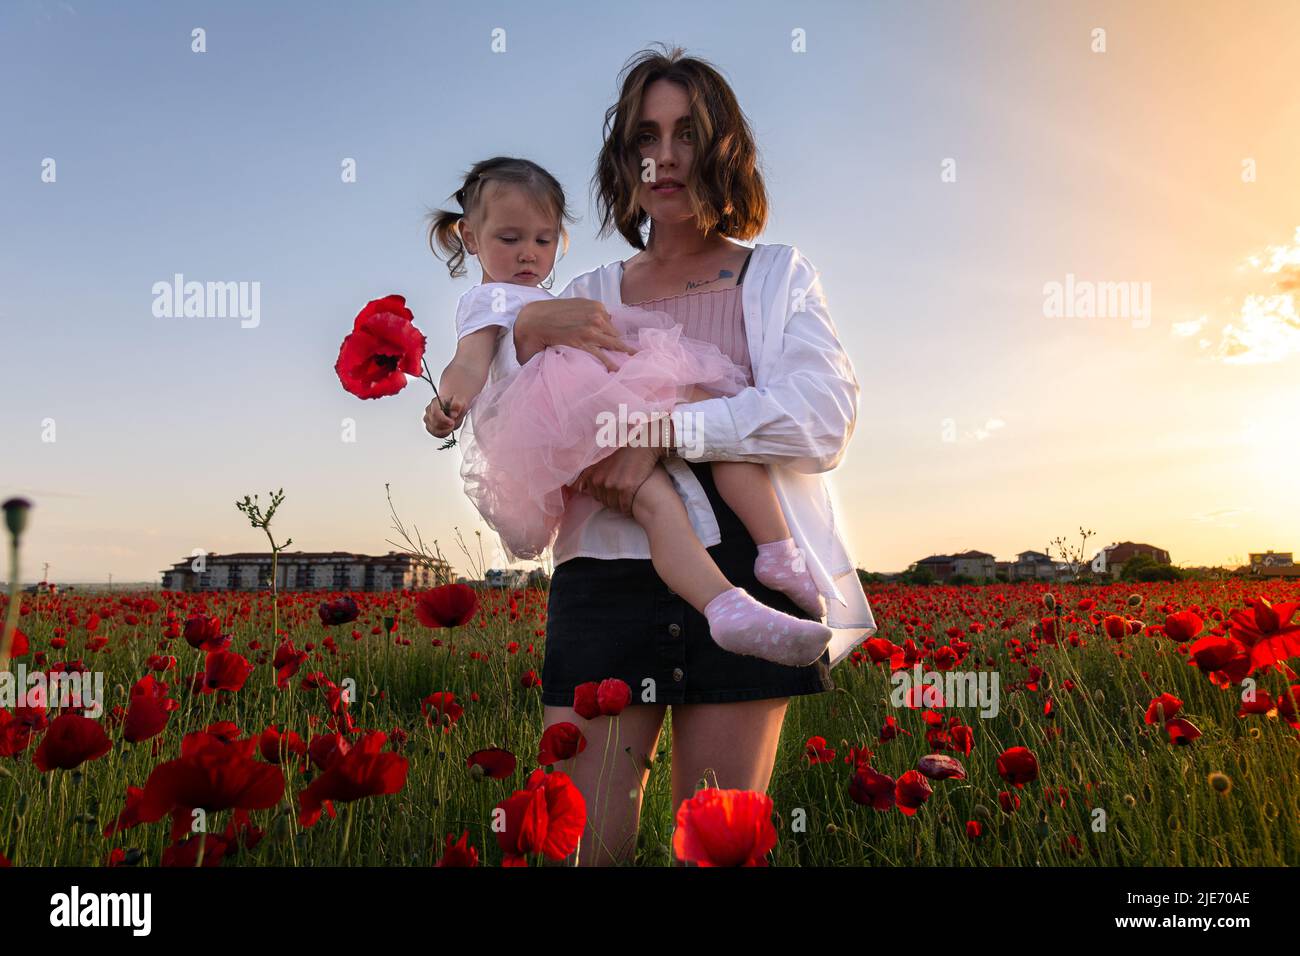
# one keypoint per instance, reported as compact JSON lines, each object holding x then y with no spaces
{"x":796,"y":419}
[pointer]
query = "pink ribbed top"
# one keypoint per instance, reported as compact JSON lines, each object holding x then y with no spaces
{"x":715,"y":316}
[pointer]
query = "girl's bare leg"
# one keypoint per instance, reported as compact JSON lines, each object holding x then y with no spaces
{"x":679,"y":558}
{"x":747,"y":489}
{"x":611,"y":774}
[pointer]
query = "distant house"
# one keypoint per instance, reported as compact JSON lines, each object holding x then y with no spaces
{"x":942,"y":566}
{"x":1033,"y":566}
{"x":975,"y":565}
{"x":1111,"y":560}
{"x":1273,"y":564}
{"x":305,"y":570}
{"x":506,"y":578}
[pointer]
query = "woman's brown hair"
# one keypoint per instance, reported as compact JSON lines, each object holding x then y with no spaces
{"x":726,"y":188}
{"x":444,"y":225}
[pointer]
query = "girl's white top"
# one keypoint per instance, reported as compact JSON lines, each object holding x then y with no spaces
{"x":796,"y":419}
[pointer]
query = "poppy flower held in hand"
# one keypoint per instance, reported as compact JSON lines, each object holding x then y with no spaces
{"x":383,"y":347}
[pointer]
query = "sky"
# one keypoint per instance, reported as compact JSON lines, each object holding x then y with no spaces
{"x":964,"y":176}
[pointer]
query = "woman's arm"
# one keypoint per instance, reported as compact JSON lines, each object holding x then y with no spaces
{"x":803,"y":417}
{"x":580,"y":323}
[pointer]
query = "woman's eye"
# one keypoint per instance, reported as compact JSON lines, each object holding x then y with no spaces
{"x":688,"y":135}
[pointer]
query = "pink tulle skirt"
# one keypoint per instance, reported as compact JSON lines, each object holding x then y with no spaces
{"x":533,"y":433}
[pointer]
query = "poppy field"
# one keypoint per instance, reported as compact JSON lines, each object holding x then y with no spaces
{"x":1136,"y":725}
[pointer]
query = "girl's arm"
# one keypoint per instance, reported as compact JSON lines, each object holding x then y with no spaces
{"x":462,"y":380}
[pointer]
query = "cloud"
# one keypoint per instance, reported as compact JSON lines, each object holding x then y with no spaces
{"x":1267,"y":327}
{"x":984,"y":431}
{"x":1188,"y":329}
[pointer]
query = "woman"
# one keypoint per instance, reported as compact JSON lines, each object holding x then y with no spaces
{"x":679,"y":155}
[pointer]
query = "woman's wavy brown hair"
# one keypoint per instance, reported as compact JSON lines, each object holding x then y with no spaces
{"x":444,"y":225}
{"x":725,"y":185}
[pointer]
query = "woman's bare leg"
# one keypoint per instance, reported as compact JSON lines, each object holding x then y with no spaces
{"x":731,"y":745}
{"x":613,"y":781}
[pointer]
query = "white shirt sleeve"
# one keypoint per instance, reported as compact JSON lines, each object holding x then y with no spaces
{"x":803,"y":415}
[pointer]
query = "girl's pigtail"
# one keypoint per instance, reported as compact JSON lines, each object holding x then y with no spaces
{"x":445,"y":239}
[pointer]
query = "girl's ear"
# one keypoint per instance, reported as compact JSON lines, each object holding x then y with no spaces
{"x":467,"y":236}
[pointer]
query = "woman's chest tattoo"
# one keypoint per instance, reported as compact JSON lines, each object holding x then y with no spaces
{"x":698,"y":283}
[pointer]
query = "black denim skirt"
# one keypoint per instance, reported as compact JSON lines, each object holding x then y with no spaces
{"x":616,"y":618}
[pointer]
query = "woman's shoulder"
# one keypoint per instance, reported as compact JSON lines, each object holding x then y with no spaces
{"x":598,"y":283}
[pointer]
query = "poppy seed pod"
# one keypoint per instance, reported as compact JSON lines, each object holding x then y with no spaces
{"x":1134,"y":600}
{"x":16,"y":515}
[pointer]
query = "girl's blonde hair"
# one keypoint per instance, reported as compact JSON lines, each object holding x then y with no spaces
{"x":444,"y":225}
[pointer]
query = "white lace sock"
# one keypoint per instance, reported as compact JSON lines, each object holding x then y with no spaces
{"x":781,"y":567}
{"x":743,"y":625}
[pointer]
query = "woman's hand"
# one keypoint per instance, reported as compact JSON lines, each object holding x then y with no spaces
{"x":578,"y":323}
{"x":614,"y":480}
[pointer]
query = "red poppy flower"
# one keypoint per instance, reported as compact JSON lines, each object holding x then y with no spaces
{"x":941,"y":767}
{"x":871,"y":788}
{"x":20,"y":645}
{"x":147,"y":717}
{"x":1018,"y":766}
{"x":225,"y":671}
{"x":130,"y":815}
{"x":974,"y":829}
{"x":911,"y":791}
{"x":276,"y":747}
{"x":612,"y":696}
{"x":560,"y":741}
{"x":546,"y":817}
{"x":71,"y":740}
{"x":443,"y":703}
{"x":203,"y":633}
{"x":1225,"y":662}
{"x":725,"y":828}
{"x":364,"y":771}
{"x":213,"y":775}
{"x":381,"y":350}
{"x":1010,"y":802}
{"x":1163,"y":708}
{"x":815,"y":751}
{"x":459,"y":853}
{"x":1267,"y":630}
{"x":1183,"y":626}
{"x":495,"y":762}
{"x":1116,"y":627}
{"x":450,"y":605}
{"x":1181,"y":730}
{"x":342,"y":611}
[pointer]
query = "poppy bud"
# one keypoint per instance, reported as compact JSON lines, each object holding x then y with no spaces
{"x":477,"y":772}
{"x":1134,"y":600}
{"x":16,"y":515}
{"x":1049,"y":600}
{"x":1220,"y":782}
{"x":279,"y":829}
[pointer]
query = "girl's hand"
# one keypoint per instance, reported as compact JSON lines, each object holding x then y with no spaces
{"x":440,"y":424}
{"x":579,"y":323}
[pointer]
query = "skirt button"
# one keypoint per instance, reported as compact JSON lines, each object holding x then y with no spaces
{"x":678,"y":673}
{"x":674,"y":630}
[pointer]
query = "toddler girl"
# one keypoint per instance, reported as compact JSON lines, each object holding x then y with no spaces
{"x":534,"y":432}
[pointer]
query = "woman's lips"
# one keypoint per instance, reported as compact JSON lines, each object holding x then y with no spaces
{"x":666,"y":188}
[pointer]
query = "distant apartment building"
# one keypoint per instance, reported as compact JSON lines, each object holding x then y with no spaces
{"x":306,"y":570}
{"x":1111,"y":560}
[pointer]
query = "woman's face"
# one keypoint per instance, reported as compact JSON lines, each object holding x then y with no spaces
{"x":666,"y":138}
